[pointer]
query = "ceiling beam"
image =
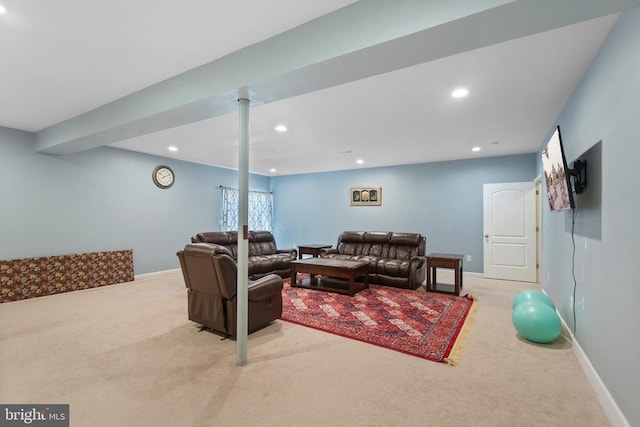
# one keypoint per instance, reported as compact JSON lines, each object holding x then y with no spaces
{"x":361,"y":40}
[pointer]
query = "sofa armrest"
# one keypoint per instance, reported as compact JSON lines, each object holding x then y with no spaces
{"x":418,"y":261}
{"x":265,"y":287}
{"x":325,"y":252}
{"x":216,"y":248}
{"x":417,"y":271}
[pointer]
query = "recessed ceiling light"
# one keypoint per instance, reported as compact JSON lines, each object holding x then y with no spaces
{"x":273,"y":170}
{"x":172,"y":148}
{"x":359,"y":161}
{"x":281,"y":128}
{"x":460,"y":93}
{"x":476,"y":149}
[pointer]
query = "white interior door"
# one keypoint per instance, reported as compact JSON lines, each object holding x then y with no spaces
{"x":510,"y":231}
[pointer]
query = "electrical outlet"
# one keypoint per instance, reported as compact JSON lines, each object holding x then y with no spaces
{"x":469,"y":258}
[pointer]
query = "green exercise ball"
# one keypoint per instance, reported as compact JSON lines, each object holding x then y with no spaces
{"x":531,"y":295}
{"x":536,"y":321}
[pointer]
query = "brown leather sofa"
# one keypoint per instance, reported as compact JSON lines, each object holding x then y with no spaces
{"x":210,"y":276}
{"x":264,"y":257}
{"x":396,"y":259}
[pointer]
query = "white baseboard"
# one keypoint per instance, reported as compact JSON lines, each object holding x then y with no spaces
{"x":609,"y":405}
{"x":154,"y":273}
{"x":472,"y":273}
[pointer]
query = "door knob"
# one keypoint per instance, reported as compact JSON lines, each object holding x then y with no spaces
{"x":486,"y":236}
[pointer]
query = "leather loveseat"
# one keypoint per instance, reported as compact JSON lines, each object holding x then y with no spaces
{"x":264,"y":257}
{"x":396,"y":259}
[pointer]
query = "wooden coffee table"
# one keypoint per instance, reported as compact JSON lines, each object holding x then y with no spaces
{"x":328,"y":267}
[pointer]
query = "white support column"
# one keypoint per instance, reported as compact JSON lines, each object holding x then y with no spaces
{"x":242,"y":294}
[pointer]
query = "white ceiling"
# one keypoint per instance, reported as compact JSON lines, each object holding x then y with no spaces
{"x":63,"y":58}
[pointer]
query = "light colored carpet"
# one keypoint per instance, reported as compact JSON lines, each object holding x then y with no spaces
{"x":126,"y":355}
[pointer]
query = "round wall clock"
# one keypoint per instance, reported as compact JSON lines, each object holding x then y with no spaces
{"x":163,"y":176}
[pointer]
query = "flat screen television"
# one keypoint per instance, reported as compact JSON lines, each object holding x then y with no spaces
{"x":557,"y":175}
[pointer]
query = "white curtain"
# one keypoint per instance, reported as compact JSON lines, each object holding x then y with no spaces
{"x":260,"y":209}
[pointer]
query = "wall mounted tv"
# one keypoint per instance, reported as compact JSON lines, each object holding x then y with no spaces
{"x":557,"y":175}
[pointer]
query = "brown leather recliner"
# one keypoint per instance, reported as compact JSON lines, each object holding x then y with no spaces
{"x":210,"y":276}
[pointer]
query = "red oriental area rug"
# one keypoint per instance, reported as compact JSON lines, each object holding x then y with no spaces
{"x":424,"y":324}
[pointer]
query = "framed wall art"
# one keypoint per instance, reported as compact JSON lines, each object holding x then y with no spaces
{"x":365,"y":196}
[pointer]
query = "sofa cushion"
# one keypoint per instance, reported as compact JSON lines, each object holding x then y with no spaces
{"x":352,"y":237}
{"x":405,"y":239}
{"x":262,"y":248}
{"x":402,"y":252}
{"x":218,"y":237}
{"x":260,"y":236}
{"x":228,"y":239}
{"x":393,"y":267}
{"x":377,"y":236}
{"x":260,"y":264}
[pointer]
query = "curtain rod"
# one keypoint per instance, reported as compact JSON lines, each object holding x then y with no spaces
{"x":253,"y":191}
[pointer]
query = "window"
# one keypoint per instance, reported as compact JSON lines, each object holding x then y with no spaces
{"x":260,"y":209}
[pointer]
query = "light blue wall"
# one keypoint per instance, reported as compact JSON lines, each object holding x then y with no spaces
{"x":605,"y":107}
{"x":442,"y":201}
{"x":103,"y":199}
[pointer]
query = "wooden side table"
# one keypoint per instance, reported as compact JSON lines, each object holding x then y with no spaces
{"x":451,"y":261}
{"x":312,"y":249}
